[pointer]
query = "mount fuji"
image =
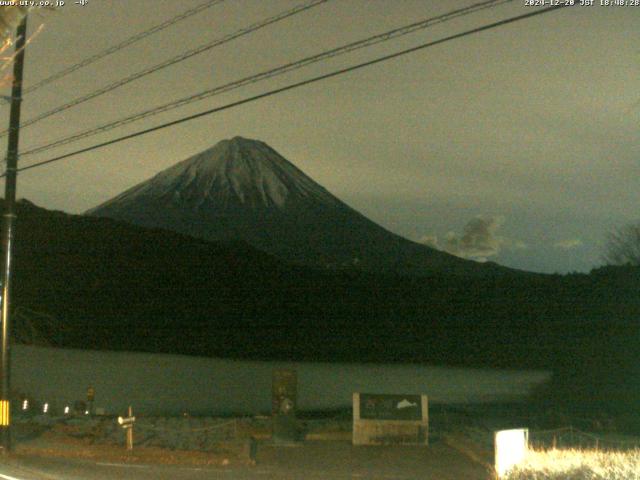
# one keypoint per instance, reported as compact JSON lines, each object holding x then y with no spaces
{"x":242,"y":189}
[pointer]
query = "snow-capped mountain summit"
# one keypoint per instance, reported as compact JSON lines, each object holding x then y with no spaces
{"x":236,"y":172}
{"x":242,"y":189}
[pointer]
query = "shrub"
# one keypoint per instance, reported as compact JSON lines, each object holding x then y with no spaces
{"x":578,"y":465}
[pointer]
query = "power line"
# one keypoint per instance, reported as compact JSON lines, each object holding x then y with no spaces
{"x":129,"y":41}
{"x":295,"y":85}
{"x":172,"y":61}
{"x":367,"y":42}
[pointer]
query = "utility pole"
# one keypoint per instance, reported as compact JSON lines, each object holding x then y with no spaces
{"x":7,"y":235}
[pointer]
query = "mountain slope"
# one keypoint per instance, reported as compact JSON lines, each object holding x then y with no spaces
{"x":244,"y":190}
{"x":114,"y":285}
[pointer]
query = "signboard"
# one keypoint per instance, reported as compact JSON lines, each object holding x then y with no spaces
{"x":380,"y":419}
{"x":390,"y":407}
{"x":284,"y":400}
{"x":284,"y":396}
{"x":126,"y":422}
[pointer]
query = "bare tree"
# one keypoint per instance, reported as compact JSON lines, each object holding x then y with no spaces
{"x":10,"y":17}
{"x":623,"y":246}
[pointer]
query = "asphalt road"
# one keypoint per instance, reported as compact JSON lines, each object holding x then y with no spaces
{"x":313,"y":460}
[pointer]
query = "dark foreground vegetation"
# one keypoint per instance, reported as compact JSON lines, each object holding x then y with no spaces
{"x":85,"y":282}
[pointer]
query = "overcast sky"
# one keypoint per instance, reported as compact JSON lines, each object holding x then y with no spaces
{"x":518,"y":145}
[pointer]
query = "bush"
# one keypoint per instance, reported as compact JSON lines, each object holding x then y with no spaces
{"x":578,"y":465}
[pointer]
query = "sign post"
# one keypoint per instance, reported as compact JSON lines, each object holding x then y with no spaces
{"x":91,"y":395}
{"x":283,"y":406}
{"x":127,"y":424}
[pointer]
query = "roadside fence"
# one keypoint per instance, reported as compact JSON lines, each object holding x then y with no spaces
{"x":571,"y":437}
{"x":186,"y":433}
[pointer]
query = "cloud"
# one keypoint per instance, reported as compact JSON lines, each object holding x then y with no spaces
{"x":479,"y":239}
{"x":568,"y":244}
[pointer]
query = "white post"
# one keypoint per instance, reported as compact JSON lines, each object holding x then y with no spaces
{"x":510,"y":449}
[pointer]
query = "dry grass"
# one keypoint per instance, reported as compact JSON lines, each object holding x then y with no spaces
{"x":55,"y":444}
{"x":578,"y":465}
